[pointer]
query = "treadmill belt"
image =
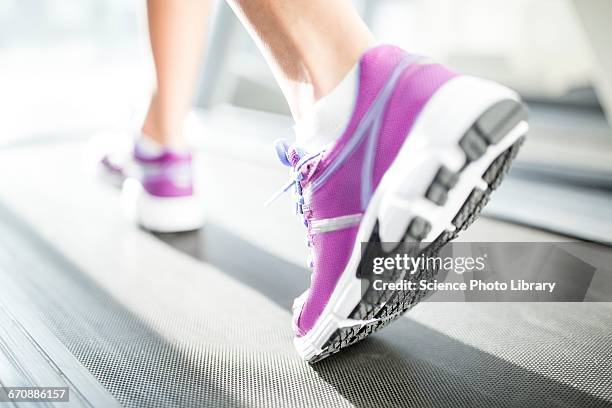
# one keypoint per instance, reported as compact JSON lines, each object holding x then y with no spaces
{"x":217,"y":359}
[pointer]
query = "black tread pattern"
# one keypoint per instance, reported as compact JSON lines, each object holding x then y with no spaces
{"x":443,"y":182}
{"x":500,"y":119}
{"x":387,"y":306}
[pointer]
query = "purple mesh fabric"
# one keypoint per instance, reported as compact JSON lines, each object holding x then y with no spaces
{"x":340,"y":195}
{"x":333,"y":250}
{"x":166,"y":175}
{"x":414,"y":89}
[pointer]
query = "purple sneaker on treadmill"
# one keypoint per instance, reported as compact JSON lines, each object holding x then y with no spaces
{"x":157,"y":189}
{"x":417,"y":161}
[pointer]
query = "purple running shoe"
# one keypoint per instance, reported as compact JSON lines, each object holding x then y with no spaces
{"x":417,"y":161}
{"x":157,"y":190}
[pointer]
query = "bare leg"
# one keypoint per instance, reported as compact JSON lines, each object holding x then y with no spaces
{"x":310,"y":44}
{"x":176,"y":30}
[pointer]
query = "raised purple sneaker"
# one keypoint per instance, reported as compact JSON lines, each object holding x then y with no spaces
{"x":157,"y":191}
{"x":417,"y":161}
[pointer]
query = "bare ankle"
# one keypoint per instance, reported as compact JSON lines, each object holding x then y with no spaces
{"x":161,"y":129}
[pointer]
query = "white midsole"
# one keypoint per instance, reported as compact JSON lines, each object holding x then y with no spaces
{"x":400,"y":195}
{"x":161,"y":214}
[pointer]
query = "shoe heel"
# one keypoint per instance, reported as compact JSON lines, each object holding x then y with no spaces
{"x":161,"y":214}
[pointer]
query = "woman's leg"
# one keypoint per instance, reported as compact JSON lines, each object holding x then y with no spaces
{"x":162,"y":197}
{"x":310,"y":44}
{"x":176,"y":31}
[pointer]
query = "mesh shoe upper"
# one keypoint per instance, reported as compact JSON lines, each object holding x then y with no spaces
{"x":393,"y":88}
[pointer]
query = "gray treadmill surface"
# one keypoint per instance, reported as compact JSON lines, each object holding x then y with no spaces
{"x":188,"y":324}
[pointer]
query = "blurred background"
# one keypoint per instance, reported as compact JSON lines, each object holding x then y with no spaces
{"x":70,"y":68}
